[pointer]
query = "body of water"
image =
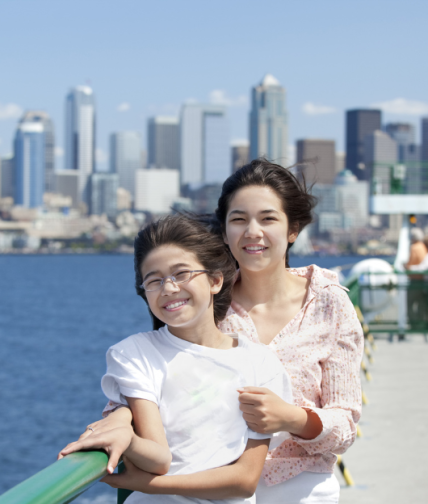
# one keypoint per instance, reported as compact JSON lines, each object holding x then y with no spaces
{"x":58,"y":316}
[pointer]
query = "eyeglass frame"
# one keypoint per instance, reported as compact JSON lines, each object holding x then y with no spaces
{"x":172,"y":278}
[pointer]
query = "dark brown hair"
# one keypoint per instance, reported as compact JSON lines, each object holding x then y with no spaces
{"x":193,"y":236}
{"x":296,"y":200}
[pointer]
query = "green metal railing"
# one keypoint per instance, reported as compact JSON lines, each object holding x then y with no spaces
{"x":61,"y":482}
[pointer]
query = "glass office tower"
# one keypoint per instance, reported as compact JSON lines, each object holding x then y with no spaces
{"x":268,"y":121}
{"x":80,"y":136}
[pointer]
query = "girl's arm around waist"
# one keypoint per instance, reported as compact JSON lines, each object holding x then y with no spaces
{"x":238,"y":479}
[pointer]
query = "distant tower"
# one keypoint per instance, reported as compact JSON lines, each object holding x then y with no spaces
{"x":204,"y":137}
{"x":268,"y":121}
{"x":80,"y":136}
{"x":125,"y":158}
{"x":324,"y":170}
{"x":359,"y":123}
{"x":33,"y":159}
{"x":163,"y":142}
{"x":379,"y":147}
{"x":404,"y":135}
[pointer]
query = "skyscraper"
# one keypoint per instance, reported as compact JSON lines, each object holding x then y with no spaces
{"x":125,"y":158}
{"x":359,"y":123}
{"x":379,"y":147}
{"x":49,"y":134}
{"x":33,"y":159}
{"x":80,"y":136}
{"x":163,"y":142}
{"x":404,"y":135}
{"x":204,"y":144}
{"x":323,"y":170}
{"x":268,"y":121}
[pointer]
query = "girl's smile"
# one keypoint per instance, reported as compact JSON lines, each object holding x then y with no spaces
{"x":186,"y":307}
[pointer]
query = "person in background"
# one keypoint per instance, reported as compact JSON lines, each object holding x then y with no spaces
{"x":418,"y":250}
{"x":417,"y":288}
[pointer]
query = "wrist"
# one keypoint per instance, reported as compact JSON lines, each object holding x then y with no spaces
{"x":308,"y":424}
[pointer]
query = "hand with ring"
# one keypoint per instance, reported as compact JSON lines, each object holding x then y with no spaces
{"x":112,"y":434}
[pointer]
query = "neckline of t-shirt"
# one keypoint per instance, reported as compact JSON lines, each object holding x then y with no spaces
{"x":187,"y":345}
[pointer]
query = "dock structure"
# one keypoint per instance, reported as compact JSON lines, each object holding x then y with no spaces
{"x":388,"y":462}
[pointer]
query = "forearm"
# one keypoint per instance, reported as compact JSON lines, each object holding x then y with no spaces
{"x":148,"y":455}
{"x":338,"y":433}
{"x":302,"y":422}
{"x":220,"y":483}
{"x":234,"y":480}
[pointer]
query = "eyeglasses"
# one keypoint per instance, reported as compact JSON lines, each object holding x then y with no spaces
{"x":179,"y":277}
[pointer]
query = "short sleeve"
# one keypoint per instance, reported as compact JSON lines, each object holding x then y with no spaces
{"x":129,"y":374}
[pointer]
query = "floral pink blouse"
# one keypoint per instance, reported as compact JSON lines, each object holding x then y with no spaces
{"x":321,"y":349}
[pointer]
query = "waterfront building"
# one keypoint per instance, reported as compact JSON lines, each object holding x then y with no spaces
{"x":7,"y":178}
{"x":125,"y":158}
{"x":80,"y":136}
{"x":156,"y":190}
{"x":268,"y":121}
{"x":103,"y":194}
{"x":403,"y":134}
{"x":322,"y":168}
{"x":29,"y":163}
{"x":163,"y":142}
{"x":424,"y":142}
{"x":204,"y":144}
{"x":66,"y":183}
{"x":359,"y":124}
{"x":240,"y":154}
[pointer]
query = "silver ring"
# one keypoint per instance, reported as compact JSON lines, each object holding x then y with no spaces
{"x":90,"y":428}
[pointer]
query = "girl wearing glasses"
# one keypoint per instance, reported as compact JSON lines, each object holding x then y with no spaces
{"x":182,"y":380}
{"x":306,"y":318}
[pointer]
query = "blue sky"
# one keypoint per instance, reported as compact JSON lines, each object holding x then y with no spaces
{"x":144,"y":58}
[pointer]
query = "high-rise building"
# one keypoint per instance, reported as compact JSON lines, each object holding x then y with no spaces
{"x":424,"y":142}
{"x":380,"y":154}
{"x":156,"y":190}
{"x":80,"y":136}
{"x":359,"y":124}
{"x":321,"y":159}
{"x":268,"y":121}
{"x":204,"y":138}
{"x":103,"y":194}
{"x":163,"y":142}
{"x":240,"y":153}
{"x":125,"y":158}
{"x":7,"y":178}
{"x":30,"y":159}
{"x":39,"y":116}
{"x":66,"y":182}
{"x":404,"y":135}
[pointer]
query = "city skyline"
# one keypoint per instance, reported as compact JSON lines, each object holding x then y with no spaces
{"x":134,"y":78}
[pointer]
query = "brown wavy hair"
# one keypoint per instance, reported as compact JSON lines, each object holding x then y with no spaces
{"x":191,"y":235}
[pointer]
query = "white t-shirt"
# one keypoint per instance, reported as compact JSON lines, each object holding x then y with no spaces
{"x":195,"y":388}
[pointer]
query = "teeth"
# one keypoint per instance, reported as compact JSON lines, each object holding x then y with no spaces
{"x":255,"y":248}
{"x":175,"y":305}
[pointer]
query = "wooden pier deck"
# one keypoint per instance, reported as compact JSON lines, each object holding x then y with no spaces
{"x":389,"y":464}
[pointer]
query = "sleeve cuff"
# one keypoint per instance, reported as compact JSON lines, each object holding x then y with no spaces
{"x":327,"y":427}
